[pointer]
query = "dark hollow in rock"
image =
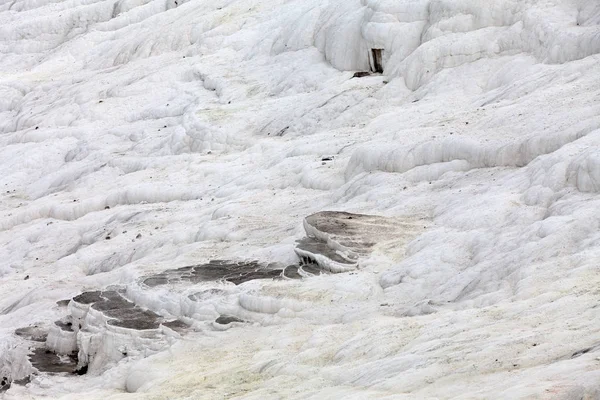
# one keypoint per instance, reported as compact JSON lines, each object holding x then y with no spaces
{"x":46,"y":361}
{"x":82,"y":371}
{"x":361,"y":74}
{"x":215,"y":270}
{"x":377,"y":58}
{"x":227,"y":319}
{"x":4,"y":384}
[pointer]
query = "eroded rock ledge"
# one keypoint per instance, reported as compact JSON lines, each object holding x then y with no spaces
{"x":101,"y":327}
{"x":336,"y":240}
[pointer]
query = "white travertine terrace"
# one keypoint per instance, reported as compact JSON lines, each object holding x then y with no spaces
{"x":142,"y":136}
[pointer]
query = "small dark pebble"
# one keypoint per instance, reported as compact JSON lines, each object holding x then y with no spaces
{"x":107,"y":208}
{"x":326,"y":158}
{"x":26,"y":277}
{"x":107,"y":238}
{"x":138,"y":236}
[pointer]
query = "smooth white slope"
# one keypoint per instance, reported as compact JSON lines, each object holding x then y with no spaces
{"x":201,"y":125}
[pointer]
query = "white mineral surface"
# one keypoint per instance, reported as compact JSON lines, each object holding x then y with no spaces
{"x":142,"y":136}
